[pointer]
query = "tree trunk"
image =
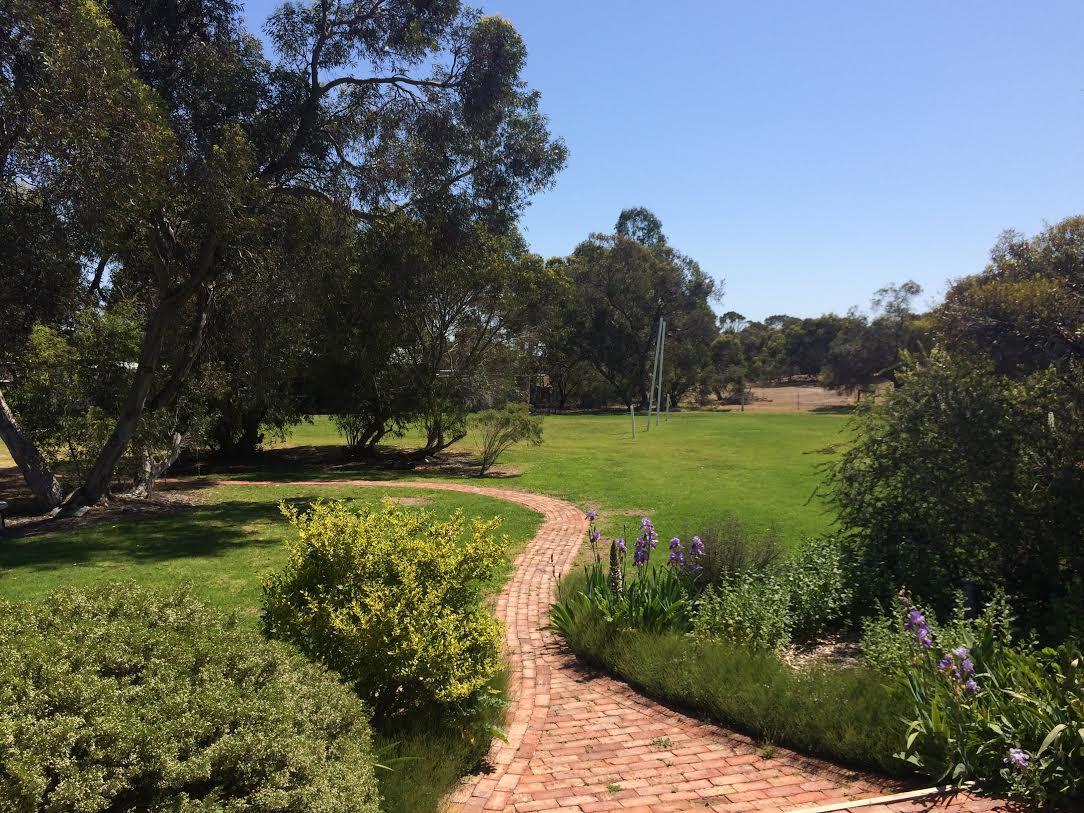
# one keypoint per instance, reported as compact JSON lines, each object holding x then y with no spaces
{"x":97,"y":482}
{"x":39,"y":477}
{"x":152,"y":469}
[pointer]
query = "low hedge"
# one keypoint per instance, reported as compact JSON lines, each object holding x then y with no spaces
{"x":842,"y":714}
{"x":124,"y":699}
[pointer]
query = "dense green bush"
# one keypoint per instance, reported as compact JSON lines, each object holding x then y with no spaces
{"x":965,"y":474}
{"x":818,"y":582}
{"x":1009,"y":718}
{"x":122,"y":699}
{"x":730,"y":549}
{"x":748,"y":609}
{"x":392,"y":600}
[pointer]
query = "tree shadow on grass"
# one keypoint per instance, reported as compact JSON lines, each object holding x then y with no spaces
{"x":200,"y":531}
{"x":333,"y":463}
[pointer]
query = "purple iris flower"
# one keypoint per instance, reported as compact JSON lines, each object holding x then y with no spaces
{"x":970,"y":686}
{"x":961,"y":652}
{"x":640,"y":555}
{"x":621,"y":546}
{"x":697,"y":546}
{"x":675,"y":544}
{"x":945,"y":663}
{"x":677,"y":558}
{"x":595,"y":536}
{"x":591,"y":514}
{"x":1017,"y":759}
{"x":967,"y":667}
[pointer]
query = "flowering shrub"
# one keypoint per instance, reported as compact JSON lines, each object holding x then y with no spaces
{"x":1009,"y":719}
{"x":391,"y":599}
{"x":655,"y":599}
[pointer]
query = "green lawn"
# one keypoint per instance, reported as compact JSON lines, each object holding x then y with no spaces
{"x":685,"y":474}
{"x":222,"y":547}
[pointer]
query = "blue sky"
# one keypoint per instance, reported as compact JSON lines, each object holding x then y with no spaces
{"x":809,"y":152}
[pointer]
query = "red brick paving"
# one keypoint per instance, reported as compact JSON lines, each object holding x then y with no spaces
{"x":581,"y":742}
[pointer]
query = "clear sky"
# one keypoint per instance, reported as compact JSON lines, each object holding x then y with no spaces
{"x":809,"y":152}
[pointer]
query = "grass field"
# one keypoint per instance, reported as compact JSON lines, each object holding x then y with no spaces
{"x":685,"y":473}
{"x":221,"y":547}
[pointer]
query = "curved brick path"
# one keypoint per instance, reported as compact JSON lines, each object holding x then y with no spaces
{"x":581,"y":742}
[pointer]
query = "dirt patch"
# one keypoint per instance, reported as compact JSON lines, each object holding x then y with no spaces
{"x":829,"y":651}
{"x":411,"y":500}
{"x":172,"y":498}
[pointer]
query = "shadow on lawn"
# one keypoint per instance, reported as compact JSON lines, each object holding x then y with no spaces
{"x":199,"y":531}
{"x":335,"y":463}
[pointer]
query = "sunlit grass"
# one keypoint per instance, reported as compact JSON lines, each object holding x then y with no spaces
{"x":686,"y":473}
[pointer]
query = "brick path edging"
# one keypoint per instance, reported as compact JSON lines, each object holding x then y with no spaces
{"x":582,"y":742}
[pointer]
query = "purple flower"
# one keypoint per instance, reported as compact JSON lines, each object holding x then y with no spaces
{"x":645,"y":523}
{"x":915,"y":620}
{"x":677,"y":558}
{"x":697,"y":546}
{"x":1017,"y":759}
{"x":621,"y":546}
{"x":971,"y":687}
{"x":595,"y":535}
{"x":961,"y":652}
{"x":591,"y":514}
{"x":945,"y":663}
{"x":640,"y":555}
{"x":966,"y":667}
{"x":675,"y":544}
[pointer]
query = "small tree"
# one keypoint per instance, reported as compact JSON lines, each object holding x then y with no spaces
{"x":500,"y":429}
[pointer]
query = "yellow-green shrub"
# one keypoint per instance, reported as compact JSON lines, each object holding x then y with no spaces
{"x":391,"y":599}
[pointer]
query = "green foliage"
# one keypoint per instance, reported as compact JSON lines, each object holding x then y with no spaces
{"x":840,"y":714}
{"x":888,"y":646}
{"x":748,"y":610}
{"x":730,"y":549}
{"x":391,"y":599}
{"x":966,"y":474}
{"x":621,"y":285}
{"x":498,"y":430}
{"x":122,"y":698}
{"x":655,"y":599}
{"x":1010,"y":719}
{"x":818,"y":580}
{"x":1025,"y":311}
{"x":73,"y":383}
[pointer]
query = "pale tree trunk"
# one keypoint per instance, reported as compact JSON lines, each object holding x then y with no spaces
{"x":153,"y":468}
{"x":39,"y":477}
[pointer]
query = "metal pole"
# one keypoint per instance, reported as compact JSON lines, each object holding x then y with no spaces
{"x":654,"y":370}
{"x":662,"y":353}
{"x":667,"y":406}
{"x":632,"y":419}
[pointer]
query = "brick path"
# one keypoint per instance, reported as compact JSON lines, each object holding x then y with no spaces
{"x":581,"y":742}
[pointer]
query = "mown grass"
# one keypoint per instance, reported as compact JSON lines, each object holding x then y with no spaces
{"x":843,"y":714}
{"x":221,"y":547}
{"x":686,"y":473}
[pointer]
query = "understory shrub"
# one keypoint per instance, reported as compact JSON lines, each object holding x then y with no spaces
{"x":120,"y":698}
{"x":1009,"y":718}
{"x":392,"y":600}
{"x":963,"y":473}
{"x":746,"y":609}
{"x":818,"y":583}
{"x":498,"y":430}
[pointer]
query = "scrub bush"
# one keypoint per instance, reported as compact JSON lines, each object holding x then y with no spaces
{"x":392,"y":600}
{"x":123,"y":699}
